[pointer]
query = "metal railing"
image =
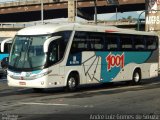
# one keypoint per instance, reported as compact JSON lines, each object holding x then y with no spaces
{"x":27,"y":24}
{"x":27,"y":2}
{"x":16,"y":25}
{"x":20,"y":25}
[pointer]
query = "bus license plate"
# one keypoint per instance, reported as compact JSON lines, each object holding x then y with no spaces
{"x":22,"y":83}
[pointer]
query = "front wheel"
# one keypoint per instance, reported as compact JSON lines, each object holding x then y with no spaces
{"x":72,"y":83}
{"x":136,"y":77}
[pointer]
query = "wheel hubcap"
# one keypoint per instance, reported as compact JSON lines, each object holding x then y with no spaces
{"x":71,"y":83}
{"x":136,"y":77}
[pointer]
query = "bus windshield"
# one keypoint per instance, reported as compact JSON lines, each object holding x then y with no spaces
{"x":27,"y":52}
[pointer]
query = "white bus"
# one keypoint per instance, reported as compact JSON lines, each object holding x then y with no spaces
{"x":59,"y":55}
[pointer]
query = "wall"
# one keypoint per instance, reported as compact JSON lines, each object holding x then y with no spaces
{"x":153,"y":15}
{"x":7,"y":33}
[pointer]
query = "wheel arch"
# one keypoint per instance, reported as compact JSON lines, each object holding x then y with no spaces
{"x":74,"y":72}
{"x":138,"y":69}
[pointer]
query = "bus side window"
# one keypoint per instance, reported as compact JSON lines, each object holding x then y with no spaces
{"x":139,"y":42}
{"x":7,"y":47}
{"x":126,"y":42}
{"x":74,"y":47}
{"x":62,"y":42}
{"x":112,"y":41}
{"x":79,"y":43}
{"x":53,"y":52}
{"x":151,"y":43}
{"x":96,"y":41}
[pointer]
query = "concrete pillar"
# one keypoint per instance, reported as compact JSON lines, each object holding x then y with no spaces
{"x":153,"y":15}
{"x":71,"y":10}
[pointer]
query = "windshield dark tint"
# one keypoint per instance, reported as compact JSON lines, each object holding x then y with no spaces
{"x":27,"y":52}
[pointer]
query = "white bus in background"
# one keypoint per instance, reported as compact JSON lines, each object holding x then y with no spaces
{"x":5,"y":46}
{"x":68,"y":55}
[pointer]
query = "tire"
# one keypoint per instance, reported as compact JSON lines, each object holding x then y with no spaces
{"x":72,"y":82}
{"x":136,"y":77}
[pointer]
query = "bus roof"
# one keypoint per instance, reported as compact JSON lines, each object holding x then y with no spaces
{"x":52,"y":28}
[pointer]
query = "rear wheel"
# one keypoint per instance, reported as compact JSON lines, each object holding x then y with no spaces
{"x":136,"y":77}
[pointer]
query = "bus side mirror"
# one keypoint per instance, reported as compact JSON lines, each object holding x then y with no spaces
{"x":48,"y":41}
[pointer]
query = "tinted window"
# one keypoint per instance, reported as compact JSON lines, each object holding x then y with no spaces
{"x":151,"y":43}
{"x":126,"y":42}
{"x":79,"y":42}
{"x":139,"y":42}
{"x":93,"y":41}
{"x":87,"y":41}
{"x":96,"y":41}
{"x":112,"y":42}
{"x":7,"y":47}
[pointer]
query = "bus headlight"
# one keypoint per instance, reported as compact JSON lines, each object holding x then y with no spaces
{"x":30,"y":77}
{"x":43,"y":74}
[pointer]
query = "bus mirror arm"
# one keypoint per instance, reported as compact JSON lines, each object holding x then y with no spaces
{"x":48,"y":41}
{"x":3,"y":43}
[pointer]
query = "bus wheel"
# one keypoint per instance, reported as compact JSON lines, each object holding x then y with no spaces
{"x":136,"y":77}
{"x":72,"y":82}
{"x":37,"y":90}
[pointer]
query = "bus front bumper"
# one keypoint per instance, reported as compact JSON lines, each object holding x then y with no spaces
{"x":36,"y":83}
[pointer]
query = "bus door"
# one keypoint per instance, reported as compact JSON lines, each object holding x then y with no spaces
{"x":53,"y":56}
